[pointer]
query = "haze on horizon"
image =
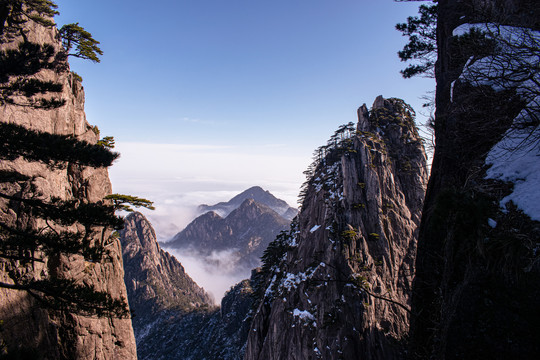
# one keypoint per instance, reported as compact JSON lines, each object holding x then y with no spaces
{"x":208,"y":98}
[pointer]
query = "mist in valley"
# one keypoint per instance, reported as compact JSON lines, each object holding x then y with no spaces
{"x":216,"y":272}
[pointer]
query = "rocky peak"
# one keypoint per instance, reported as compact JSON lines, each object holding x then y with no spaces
{"x":250,"y":210}
{"x":145,"y":234}
{"x":339,"y":282}
{"x":173,"y":316}
{"x":247,"y":230}
{"x":210,"y":216}
{"x":154,"y":279}
{"x":259,"y":195}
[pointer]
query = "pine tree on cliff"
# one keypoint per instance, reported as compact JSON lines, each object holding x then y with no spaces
{"x":30,"y":58}
{"x":34,"y":229}
{"x":86,"y":47}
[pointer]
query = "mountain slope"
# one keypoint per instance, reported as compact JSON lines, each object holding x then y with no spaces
{"x":338,"y":284}
{"x":247,"y":231}
{"x":173,"y":317}
{"x":259,"y":195}
{"x":155,"y":280}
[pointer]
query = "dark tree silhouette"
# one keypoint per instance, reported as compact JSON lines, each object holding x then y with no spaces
{"x":74,"y":37}
{"x":422,"y":45}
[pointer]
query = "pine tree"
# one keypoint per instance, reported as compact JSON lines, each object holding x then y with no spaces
{"x":86,"y":47}
{"x":422,"y":45}
{"x":19,"y":65}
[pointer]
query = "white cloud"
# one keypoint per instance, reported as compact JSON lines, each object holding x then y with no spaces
{"x":198,"y":121}
{"x":179,"y":177}
{"x":215,"y":273}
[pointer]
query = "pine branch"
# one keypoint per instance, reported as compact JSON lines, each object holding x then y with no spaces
{"x":51,"y":149}
{"x":67,"y":212}
{"x":49,"y":241}
{"x":123,"y":202}
{"x":422,"y":45}
{"x":86,"y":47}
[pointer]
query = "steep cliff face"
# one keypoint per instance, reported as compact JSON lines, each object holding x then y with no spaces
{"x":477,"y":284}
{"x":26,"y":324}
{"x":155,"y":280}
{"x":174,"y":318}
{"x":338,"y":285}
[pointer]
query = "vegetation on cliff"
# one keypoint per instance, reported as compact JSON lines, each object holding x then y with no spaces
{"x":36,"y":228}
{"x":422,"y":45}
{"x":337,"y":283}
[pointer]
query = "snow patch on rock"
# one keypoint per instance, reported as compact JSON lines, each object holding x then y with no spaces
{"x":515,"y":160}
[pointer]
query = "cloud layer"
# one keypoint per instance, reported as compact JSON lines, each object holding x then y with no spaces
{"x":215,"y":273}
{"x":179,"y":177}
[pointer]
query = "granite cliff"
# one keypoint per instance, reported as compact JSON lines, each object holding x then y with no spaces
{"x":155,"y":280}
{"x":338,"y":284}
{"x":174,"y":317}
{"x":26,"y":324}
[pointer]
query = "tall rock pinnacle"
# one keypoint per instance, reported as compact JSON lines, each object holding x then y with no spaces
{"x":339,"y":283}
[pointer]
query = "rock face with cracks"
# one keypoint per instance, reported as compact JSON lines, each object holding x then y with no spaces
{"x":337,"y":286}
{"x":174,"y":317}
{"x":26,"y":324}
{"x":155,"y":280}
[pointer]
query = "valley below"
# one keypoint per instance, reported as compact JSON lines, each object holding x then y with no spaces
{"x":391,"y":254}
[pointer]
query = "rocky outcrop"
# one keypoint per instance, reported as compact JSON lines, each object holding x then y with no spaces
{"x":477,"y":272}
{"x":246,"y":231}
{"x":338,"y":285}
{"x":26,"y":324}
{"x":174,"y":318}
{"x":155,"y":280}
{"x":260,"y":196}
{"x":201,"y":334}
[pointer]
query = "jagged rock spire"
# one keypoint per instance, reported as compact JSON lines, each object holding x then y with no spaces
{"x":339,"y":284}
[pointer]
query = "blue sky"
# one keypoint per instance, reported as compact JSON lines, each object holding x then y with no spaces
{"x":210,"y":97}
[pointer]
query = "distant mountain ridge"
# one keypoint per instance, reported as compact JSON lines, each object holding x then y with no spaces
{"x":174,"y":317}
{"x":256,"y":193}
{"x":247,"y":230}
{"x":155,"y":280}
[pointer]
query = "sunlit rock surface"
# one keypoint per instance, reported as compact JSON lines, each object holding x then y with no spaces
{"x":26,"y":325}
{"x":338,"y":286}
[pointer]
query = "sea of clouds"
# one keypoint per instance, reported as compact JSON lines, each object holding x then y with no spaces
{"x":179,"y":178}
